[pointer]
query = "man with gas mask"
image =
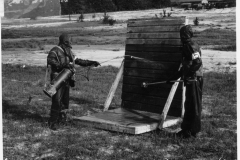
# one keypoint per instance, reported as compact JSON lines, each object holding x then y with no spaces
{"x":61,"y":58}
{"x":191,"y":70}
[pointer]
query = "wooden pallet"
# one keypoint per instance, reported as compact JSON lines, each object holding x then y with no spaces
{"x":127,"y":121}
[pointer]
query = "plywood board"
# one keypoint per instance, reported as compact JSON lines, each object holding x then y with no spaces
{"x":150,"y":29}
{"x":148,"y":73}
{"x":157,"y":22}
{"x":152,"y":100}
{"x":151,"y":108}
{"x":155,"y":56}
{"x":126,"y":121}
{"x":174,"y":42}
{"x":148,"y":64}
{"x":153,"y":48}
{"x":163,"y":35}
{"x":150,"y":91}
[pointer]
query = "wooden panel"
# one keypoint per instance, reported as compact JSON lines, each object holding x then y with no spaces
{"x":156,"y":22}
{"x":163,"y":18}
{"x":167,"y":66}
{"x":151,"y":91}
{"x":157,"y":47}
{"x":156,"y":56}
{"x":138,"y":81}
{"x":150,"y":73}
{"x":149,"y":29}
{"x":153,"y":48}
{"x":151,"y":108}
{"x":126,"y":121}
{"x":168,"y":35}
{"x":158,"y":101}
{"x":176,"y":42}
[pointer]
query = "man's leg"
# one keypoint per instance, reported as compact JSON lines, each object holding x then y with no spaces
{"x":56,"y":108}
{"x":64,"y":105}
{"x":191,"y":124}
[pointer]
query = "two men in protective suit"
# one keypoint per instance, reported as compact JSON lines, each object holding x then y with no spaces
{"x":191,"y":69}
{"x":59,"y":58}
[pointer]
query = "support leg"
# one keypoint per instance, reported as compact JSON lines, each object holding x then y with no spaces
{"x":167,"y":104}
{"x":113,"y":88}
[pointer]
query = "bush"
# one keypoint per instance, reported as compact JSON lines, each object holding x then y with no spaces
{"x":196,"y":21}
{"x":105,"y":18}
{"x":111,"y":21}
{"x":108,"y":20}
{"x":81,"y":17}
{"x":94,"y":15}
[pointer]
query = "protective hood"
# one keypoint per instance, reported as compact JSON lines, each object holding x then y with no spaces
{"x":64,"y":39}
{"x":186,"y":33}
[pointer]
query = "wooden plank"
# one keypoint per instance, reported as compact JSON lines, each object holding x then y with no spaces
{"x":113,"y":88}
{"x":153,"y":48}
{"x":156,"y":22}
{"x":183,"y":18}
{"x":159,"y":101}
{"x":183,"y":100}
{"x":150,"y":29}
{"x":137,"y":81}
{"x":151,"y":91}
{"x":145,"y":64}
{"x":156,"y":56}
{"x":148,"y":73}
{"x":125,"y":120}
{"x":175,"y":42}
{"x":163,"y":35}
{"x":151,"y":108}
{"x":168,"y":104}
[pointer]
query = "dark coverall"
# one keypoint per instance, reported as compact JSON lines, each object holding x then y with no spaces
{"x":59,"y":58}
{"x":191,"y":69}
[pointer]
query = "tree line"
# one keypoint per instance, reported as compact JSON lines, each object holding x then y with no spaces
{"x":92,"y":6}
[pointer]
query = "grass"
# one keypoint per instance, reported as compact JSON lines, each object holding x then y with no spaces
{"x":224,"y":39}
{"x":26,"y":136}
{"x":221,"y":39}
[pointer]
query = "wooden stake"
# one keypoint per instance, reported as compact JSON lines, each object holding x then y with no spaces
{"x":113,"y":88}
{"x":183,"y":99}
{"x":167,"y":104}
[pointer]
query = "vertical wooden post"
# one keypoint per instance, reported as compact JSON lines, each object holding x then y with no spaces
{"x":113,"y":88}
{"x":183,"y":99}
{"x":167,"y":104}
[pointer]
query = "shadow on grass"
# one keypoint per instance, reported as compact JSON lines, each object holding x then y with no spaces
{"x":82,"y":101}
{"x":20,"y":112}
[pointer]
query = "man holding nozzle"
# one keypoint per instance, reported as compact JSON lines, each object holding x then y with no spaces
{"x":191,"y":69}
{"x":59,"y":58}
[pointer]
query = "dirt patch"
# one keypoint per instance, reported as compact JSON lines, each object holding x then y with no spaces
{"x":220,"y":61}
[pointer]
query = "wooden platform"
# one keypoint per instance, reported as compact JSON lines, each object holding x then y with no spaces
{"x":127,"y":121}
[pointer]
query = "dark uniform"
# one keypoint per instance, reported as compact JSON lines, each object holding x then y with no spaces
{"x":59,"y":58}
{"x":191,"y":69}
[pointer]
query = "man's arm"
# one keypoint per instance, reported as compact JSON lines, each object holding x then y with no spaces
{"x":53,"y":60}
{"x":85,"y":63}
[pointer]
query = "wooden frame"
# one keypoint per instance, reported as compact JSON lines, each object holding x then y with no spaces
{"x":144,"y":43}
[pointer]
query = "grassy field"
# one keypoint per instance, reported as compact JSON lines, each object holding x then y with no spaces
{"x":222,"y":39}
{"x":26,"y":110}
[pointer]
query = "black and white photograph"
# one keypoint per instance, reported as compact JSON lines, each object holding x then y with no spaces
{"x":118,"y":79}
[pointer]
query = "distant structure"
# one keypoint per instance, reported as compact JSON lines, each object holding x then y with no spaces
{"x":199,"y":4}
{"x":31,"y":9}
